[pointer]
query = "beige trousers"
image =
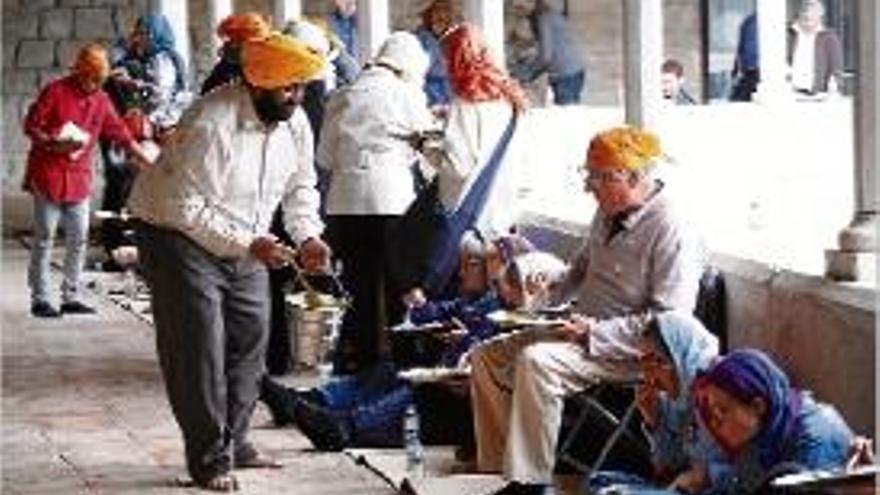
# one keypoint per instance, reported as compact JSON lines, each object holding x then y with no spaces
{"x":518,"y":384}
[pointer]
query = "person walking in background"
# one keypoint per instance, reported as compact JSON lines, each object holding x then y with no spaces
{"x":234,"y":30}
{"x":371,"y":185}
{"x":64,"y":123}
{"x":746,"y":67}
{"x":559,"y":55}
{"x":343,"y":24}
{"x":815,"y":54}
{"x":202,"y":220}
{"x":437,"y":18}
{"x":672,"y":83}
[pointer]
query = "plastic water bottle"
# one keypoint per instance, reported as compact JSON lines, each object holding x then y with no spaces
{"x":415,"y":453}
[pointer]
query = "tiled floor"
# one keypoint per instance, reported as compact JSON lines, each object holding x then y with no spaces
{"x":84,"y":410}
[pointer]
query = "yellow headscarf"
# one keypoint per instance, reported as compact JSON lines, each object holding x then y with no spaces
{"x":91,"y":62}
{"x":625,"y":148}
{"x":278,"y":61}
{"x":238,"y":28}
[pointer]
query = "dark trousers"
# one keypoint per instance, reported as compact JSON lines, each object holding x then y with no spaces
{"x":567,"y":89}
{"x":360,"y":241}
{"x":118,"y":179}
{"x":211,"y":318}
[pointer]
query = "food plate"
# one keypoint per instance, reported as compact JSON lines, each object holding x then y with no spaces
{"x":827,"y":478}
{"x":433,"y":375}
{"x":431,"y":327}
{"x":514,"y":319}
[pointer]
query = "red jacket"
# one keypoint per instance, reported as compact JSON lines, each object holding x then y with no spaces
{"x":67,"y":178}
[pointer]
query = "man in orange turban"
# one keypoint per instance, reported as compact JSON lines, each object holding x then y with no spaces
{"x":239,"y":152}
{"x":640,"y":259}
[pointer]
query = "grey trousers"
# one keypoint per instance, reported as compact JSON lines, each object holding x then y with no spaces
{"x":211,"y":317}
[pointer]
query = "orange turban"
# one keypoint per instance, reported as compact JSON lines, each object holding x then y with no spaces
{"x":278,"y":61}
{"x":625,"y":148}
{"x":91,"y":62}
{"x":238,"y":28}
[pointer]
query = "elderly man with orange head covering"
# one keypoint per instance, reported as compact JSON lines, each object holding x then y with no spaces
{"x":63,"y":124}
{"x":202,"y":218}
{"x":640,"y":258}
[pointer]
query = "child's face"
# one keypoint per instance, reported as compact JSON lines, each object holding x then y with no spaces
{"x":472,"y":275}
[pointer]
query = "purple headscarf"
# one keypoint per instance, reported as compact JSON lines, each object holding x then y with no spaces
{"x":749,"y":373}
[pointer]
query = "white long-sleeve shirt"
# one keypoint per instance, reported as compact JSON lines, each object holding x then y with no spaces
{"x":223,"y":172}
{"x":370,"y":167}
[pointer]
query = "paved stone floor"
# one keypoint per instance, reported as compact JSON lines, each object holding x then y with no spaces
{"x":84,"y":411}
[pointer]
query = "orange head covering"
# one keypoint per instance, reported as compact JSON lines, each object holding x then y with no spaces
{"x":278,"y":61}
{"x":238,"y":28}
{"x":91,"y":62}
{"x":626,"y":148}
{"x":473,"y":74}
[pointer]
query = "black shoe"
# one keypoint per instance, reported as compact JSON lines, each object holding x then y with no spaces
{"x":516,"y":488}
{"x":43,"y":309}
{"x":281,"y":401}
{"x":322,"y":427}
{"x":77,"y":308}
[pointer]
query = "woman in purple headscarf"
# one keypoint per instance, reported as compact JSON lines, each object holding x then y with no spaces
{"x":765,"y":426}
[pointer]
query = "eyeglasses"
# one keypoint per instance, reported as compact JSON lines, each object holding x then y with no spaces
{"x":596,"y":177}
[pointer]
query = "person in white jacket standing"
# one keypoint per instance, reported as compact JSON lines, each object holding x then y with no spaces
{"x":372,"y":184}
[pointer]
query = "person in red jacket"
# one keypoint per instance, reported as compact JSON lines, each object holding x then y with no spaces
{"x":63,"y":124}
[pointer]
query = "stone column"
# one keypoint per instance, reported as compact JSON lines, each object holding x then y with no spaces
{"x":285,"y":10}
{"x":176,"y":12}
{"x":772,"y":24}
{"x":488,"y":15}
{"x":373,"y":26}
{"x":642,"y":58}
{"x":217,"y":11}
{"x":855,"y":258}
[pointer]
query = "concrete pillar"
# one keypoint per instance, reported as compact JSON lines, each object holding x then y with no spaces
{"x":488,"y":15}
{"x":772,"y":23}
{"x":373,"y":26}
{"x":855,"y":258}
{"x":642,"y":58}
{"x":285,"y":10}
{"x":217,"y":11}
{"x":176,"y":12}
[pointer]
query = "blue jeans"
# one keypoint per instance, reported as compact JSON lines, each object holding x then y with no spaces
{"x":567,"y":89}
{"x":374,"y":411}
{"x":74,"y":218}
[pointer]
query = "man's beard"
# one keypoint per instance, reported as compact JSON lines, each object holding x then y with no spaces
{"x":272,"y":111}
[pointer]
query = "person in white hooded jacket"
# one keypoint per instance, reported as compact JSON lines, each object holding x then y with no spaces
{"x":372,"y":184}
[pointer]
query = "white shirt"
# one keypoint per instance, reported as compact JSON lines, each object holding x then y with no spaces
{"x":803,"y":60}
{"x":370,"y":168}
{"x":223,"y":172}
{"x":472,"y":132}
